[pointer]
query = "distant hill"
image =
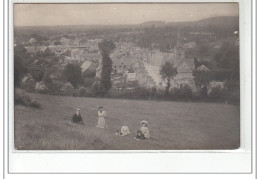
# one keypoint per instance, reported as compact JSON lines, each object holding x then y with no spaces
{"x":153,"y":23}
{"x":221,"y":21}
{"x":226,"y":21}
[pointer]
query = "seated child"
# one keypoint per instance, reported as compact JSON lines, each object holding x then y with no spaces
{"x":76,"y":118}
{"x":124,"y":131}
{"x":144,"y":129}
{"x":139,"y":135}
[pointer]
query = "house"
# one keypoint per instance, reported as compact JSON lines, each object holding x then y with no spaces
{"x":58,"y":49}
{"x":25,"y":79}
{"x":121,"y":64}
{"x":76,"y":42}
{"x":65,"y":41}
{"x":119,"y":67}
{"x":92,"y":45}
{"x":130,"y":77}
{"x":40,"y":86}
{"x":92,"y":57}
{"x":88,"y":68}
{"x":66,"y":53}
{"x":190,"y":45}
{"x":202,"y":68}
{"x":44,"y":49}
{"x":215,"y":84}
{"x":184,"y":76}
{"x":77,"y":54}
{"x":38,"y":49}
{"x":55,"y":75}
{"x":185,"y":69}
{"x":83,"y":41}
{"x":32,"y":49}
{"x":32,"y":41}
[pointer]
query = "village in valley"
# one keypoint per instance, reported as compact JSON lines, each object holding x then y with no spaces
{"x":134,"y":65}
{"x":127,"y":78}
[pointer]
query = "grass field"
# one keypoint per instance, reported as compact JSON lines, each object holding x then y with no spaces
{"x":173,"y":125}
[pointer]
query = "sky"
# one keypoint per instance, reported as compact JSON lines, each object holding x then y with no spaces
{"x":111,"y":14}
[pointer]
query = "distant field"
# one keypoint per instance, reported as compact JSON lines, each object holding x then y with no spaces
{"x":173,"y":125}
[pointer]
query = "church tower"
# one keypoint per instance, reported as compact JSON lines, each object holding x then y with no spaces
{"x":179,"y":47}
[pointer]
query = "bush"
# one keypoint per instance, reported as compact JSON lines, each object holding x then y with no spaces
{"x":20,"y":69}
{"x":89,"y":74}
{"x":75,"y":93}
{"x":37,"y":73}
{"x":186,"y":92}
{"x":67,"y":89}
{"x":89,"y":92}
{"x":216,"y":93}
{"x":82,"y":91}
{"x":29,"y":85}
{"x":25,"y":100}
{"x":231,"y":92}
{"x":72,"y":73}
{"x":47,"y":79}
{"x":175,"y":93}
{"x":88,"y":81}
{"x":55,"y":86}
{"x":182,"y":93}
{"x":95,"y":88}
{"x":142,"y":93}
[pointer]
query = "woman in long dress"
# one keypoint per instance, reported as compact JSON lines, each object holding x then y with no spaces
{"x":101,"y":118}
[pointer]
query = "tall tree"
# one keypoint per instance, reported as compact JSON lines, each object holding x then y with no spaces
{"x":168,"y":72}
{"x":106,"y":47}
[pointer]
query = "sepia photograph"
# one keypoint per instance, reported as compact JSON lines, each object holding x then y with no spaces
{"x":126,"y":76}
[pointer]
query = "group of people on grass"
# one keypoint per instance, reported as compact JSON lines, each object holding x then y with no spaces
{"x":141,"y":134}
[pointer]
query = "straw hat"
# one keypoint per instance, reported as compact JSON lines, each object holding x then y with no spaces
{"x":144,"y":121}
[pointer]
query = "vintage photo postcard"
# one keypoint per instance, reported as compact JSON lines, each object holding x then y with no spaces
{"x":126,"y":76}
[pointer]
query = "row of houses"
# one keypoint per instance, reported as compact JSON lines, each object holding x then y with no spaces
{"x":126,"y":58}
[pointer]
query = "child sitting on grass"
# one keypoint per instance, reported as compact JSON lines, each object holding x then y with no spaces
{"x":143,"y":133}
{"x":76,"y":118}
{"x":124,"y":131}
{"x":139,"y":135}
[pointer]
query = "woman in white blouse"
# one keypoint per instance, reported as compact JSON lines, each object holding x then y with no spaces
{"x":101,"y":118}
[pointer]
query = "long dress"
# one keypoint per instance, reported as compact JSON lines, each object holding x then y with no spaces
{"x":145,"y":131}
{"x":101,"y":119}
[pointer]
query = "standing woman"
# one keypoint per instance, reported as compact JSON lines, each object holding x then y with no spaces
{"x":101,"y":118}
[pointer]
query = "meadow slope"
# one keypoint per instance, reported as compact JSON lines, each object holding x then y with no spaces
{"x":173,"y":125}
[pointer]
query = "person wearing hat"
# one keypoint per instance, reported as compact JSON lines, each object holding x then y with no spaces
{"x":144,"y":129}
{"x":101,"y":118}
{"x":77,"y":117}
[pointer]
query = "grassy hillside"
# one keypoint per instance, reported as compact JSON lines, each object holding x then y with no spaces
{"x":173,"y":125}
